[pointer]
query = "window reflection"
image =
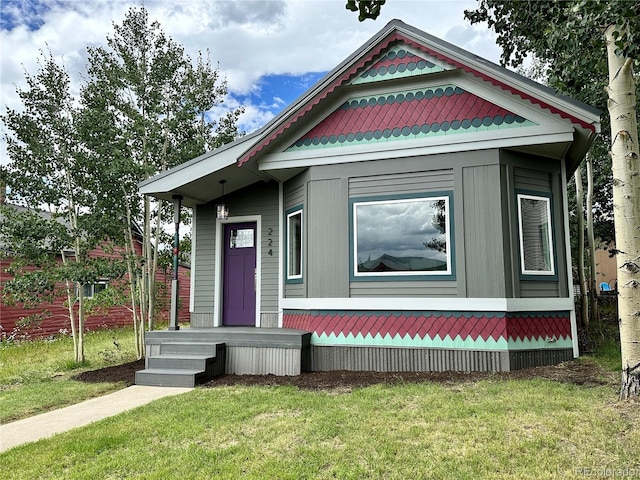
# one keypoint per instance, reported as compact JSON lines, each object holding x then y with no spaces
{"x":294,"y":240}
{"x":402,"y":237}
{"x":535,"y":235}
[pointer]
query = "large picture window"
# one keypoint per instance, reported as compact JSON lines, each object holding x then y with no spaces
{"x":536,"y":240}
{"x":294,"y":245}
{"x":402,"y":237}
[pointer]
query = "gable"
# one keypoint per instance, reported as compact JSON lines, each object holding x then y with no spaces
{"x":402,"y":92}
{"x":408,"y":114}
{"x":399,"y":61}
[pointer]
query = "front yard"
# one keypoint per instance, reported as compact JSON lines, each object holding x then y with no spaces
{"x":554,"y":422}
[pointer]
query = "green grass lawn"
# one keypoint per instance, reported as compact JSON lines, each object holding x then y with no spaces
{"x":37,"y":376}
{"x":489,"y":429}
{"x":493,"y":428}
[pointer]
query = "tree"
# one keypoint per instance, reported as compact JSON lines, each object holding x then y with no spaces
{"x":565,"y":35}
{"x":48,"y":169}
{"x":365,"y":8}
{"x":584,"y":309}
{"x":593,"y":292}
{"x":145,"y":108}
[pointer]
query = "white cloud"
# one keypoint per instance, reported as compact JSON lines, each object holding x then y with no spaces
{"x":249,"y":38}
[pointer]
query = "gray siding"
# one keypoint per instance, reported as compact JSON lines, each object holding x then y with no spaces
{"x":204,"y":262}
{"x":295,"y":196}
{"x":257,"y":199}
{"x":486,"y":241}
{"x":328,"y":224}
{"x":390,"y":359}
{"x":483,"y":226}
{"x":264,"y":361}
{"x":526,"y":179}
{"x":410,"y":182}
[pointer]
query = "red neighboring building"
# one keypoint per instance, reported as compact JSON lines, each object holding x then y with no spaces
{"x":55,"y":316}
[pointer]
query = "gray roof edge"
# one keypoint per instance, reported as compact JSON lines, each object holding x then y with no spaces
{"x":228,"y":146}
{"x":327,"y":78}
{"x":482,"y":64}
{"x":497,"y":69}
{"x":486,"y":66}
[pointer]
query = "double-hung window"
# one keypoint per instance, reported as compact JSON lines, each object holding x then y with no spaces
{"x":536,"y":238}
{"x":89,"y":290}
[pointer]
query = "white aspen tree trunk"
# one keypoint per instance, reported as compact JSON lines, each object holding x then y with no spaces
{"x":80,"y":354}
{"x":80,"y":350}
{"x":584,"y":305}
{"x":71,"y":300}
{"x":626,"y":210}
{"x":133,"y":267}
{"x":593,"y":282}
{"x":134,"y":285}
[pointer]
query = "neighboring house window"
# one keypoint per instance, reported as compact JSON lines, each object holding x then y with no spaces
{"x":89,"y":290}
{"x":536,"y":240}
{"x":402,"y":237}
{"x":294,"y":245}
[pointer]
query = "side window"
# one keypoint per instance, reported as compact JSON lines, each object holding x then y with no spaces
{"x":89,"y":290}
{"x":536,"y":238}
{"x":294,"y":245}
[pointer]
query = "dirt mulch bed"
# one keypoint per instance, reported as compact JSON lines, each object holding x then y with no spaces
{"x":125,"y":372}
{"x":584,"y":373}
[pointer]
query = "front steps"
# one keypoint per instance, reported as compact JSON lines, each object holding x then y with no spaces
{"x":183,"y":364}
{"x":247,"y":350}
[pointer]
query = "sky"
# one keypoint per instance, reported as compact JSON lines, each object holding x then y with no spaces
{"x":269,"y":51}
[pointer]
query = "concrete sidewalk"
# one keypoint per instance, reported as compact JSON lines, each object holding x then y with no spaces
{"x":50,"y":423}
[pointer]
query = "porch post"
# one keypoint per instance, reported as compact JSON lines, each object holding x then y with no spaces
{"x":177,"y":205}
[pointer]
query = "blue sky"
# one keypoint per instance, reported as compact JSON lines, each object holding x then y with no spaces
{"x":270,"y":51}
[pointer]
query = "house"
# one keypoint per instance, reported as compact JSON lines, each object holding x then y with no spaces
{"x":53,"y":318}
{"x":408,"y":212}
{"x":606,"y":270}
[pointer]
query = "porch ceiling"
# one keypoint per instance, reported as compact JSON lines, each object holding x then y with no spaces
{"x":198,"y":180}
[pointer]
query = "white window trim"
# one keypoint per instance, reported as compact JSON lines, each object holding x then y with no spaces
{"x":401,"y":273}
{"x":104,"y":282}
{"x":289,"y":217}
{"x":523,"y":269}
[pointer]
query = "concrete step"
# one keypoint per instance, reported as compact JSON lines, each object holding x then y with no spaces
{"x":164,"y":377}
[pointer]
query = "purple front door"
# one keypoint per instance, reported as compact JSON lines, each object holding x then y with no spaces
{"x":239,"y":271}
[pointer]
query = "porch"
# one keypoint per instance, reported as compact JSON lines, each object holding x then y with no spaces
{"x":190,"y":356}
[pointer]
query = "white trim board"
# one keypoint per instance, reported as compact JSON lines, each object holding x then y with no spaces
{"x":430,"y":304}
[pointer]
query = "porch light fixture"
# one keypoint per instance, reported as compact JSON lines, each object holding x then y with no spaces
{"x":222,"y":211}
